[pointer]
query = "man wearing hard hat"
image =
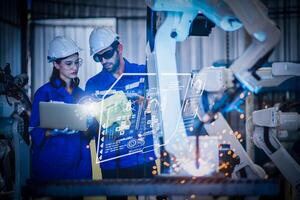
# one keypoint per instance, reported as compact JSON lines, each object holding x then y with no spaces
{"x":122,"y":150}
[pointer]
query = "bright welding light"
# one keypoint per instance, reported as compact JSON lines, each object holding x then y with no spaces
{"x":206,"y":168}
{"x":208,"y":161}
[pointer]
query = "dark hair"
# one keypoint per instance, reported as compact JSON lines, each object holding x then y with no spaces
{"x":55,"y":75}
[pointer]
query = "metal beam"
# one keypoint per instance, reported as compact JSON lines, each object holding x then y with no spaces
{"x":202,"y":186}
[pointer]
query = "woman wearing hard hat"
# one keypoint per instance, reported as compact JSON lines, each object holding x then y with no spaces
{"x":59,"y":154}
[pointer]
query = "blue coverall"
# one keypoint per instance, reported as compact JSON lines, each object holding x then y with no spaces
{"x":128,"y":84}
{"x":59,"y":156}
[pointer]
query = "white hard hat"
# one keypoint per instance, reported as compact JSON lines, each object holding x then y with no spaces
{"x":61,"y":47}
{"x":101,"y":38}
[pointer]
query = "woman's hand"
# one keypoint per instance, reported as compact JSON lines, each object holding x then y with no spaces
{"x":65,"y":131}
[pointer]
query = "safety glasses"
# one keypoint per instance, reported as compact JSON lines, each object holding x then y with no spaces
{"x":107,"y":55}
{"x":70,"y":63}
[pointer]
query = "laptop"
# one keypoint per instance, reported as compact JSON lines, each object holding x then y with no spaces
{"x":59,"y":115}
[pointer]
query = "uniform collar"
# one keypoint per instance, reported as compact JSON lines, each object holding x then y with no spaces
{"x":126,"y":66}
{"x":57,"y":83}
{"x":61,"y":89}
{"x":110,"y":78}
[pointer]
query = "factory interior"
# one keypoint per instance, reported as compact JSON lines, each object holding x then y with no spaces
{"x":204,"y":100}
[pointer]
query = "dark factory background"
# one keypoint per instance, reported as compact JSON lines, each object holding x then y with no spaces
{"x":27,"y":26}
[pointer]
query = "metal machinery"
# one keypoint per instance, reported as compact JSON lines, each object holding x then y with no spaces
{"x":229,"y":16}
{"x":270,"y":123}
{"x":179,"y":108}
{"x":14,"y":138}
{"x":188,"y":187}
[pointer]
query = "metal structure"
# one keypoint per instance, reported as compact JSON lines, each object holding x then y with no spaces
{"x":175,"y":186}
{"x":13,"y":133}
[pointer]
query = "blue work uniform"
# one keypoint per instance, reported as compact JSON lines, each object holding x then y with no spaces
{"x":134,"y":144}
{"x":59,"y":156}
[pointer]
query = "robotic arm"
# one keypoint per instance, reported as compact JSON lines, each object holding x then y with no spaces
{"x":267,"y":125}
{"x":265,"y":35}
{"x":246,"y":168}
{"x":230,"y":16}
{"x":276,"y":74}
{"x":176,"y":27}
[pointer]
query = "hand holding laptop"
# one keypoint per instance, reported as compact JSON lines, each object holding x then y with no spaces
{"x":68,"y":117}
{"x":65,"y":131}
{"x":59,"y":115}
